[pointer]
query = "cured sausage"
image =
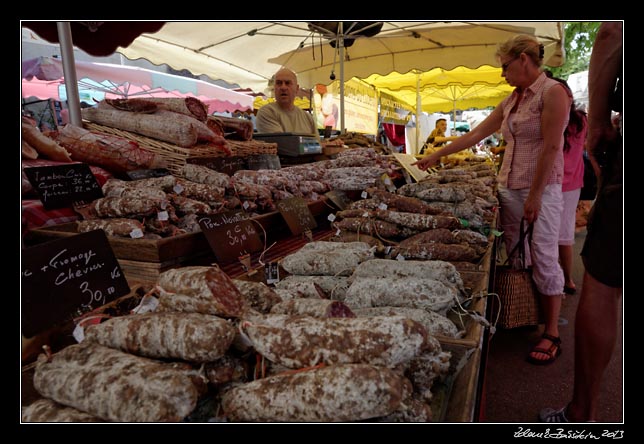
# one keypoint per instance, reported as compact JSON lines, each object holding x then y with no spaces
{"x":202,"y":174}
{"x":117,"y":386}
{"x":434,"y":323}
{"x":335,"y":287}
{"x":126,"y":207}
{"x":381,"y":268}
{"x":112,"y":227}
{"x":303,"y":341}
{"x":337,"y":258}
{"x":200,"y":289}
{"x":418,"y":221}
{"x":259,"y":296}
{"x":46,"y":410}
{"x":428,"y":294}
{"x":336,"y":393}
{"x":319,"y":308}
{"x":438,"y":251}
{"x":192,"y":337}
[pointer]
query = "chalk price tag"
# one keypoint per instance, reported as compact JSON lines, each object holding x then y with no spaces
{"x":297,"y":215}
{"x":230,"y":235}
{"x":60,"y":186}
{"x":65,"y":278}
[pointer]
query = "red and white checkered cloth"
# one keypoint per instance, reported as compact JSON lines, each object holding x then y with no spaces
{"x":34,"y":214}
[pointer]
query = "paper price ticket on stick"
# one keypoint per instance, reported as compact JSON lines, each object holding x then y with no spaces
{"x":406,"y":161}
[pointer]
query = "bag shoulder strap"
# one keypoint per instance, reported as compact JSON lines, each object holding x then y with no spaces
{"x":520,"y":246}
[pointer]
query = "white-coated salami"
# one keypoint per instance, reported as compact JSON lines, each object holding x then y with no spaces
{"x":335,"y":393}
{"x":304,"y":341}
{"x":200,"y":289}
{"x":46,"y":410}
{"x":335,"y":287}
{"x":434,"y":323}
{"x":117,"y":386}
{"x":428,"y":294}
{"x":319,"y":308}
{"x":192,"y":337}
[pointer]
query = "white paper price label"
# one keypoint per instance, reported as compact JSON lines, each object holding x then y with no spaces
{"x":178,"y":189}
{"x":382,"y":206}
{"x":136,"y":233}
{"x":364,"y":195}
{"x":314,"y":196}
{"x":245,"y":205}
{"x":400,"y":257}
{"x":163,"y":215}
{"x":337,"y":233}
{"x":147,"y":304}
{"x":331,"y":217}
{"x":79,"y":333}
{"x":387,"y":181}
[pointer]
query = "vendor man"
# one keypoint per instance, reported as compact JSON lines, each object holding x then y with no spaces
{"x":437,"y":138}
{"x":282,"y":116}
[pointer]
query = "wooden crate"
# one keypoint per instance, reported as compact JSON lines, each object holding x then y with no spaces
{"x":463,"y":395}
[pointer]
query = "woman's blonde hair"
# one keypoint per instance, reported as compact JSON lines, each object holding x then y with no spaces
{"x":522,"y":43}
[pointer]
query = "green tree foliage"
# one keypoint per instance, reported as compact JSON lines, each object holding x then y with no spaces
{"x":579,"y":38}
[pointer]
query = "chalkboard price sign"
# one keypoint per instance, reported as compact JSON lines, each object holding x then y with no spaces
{"x":297,"y":214}
{"x":64,"y":278}
{"x":61,"y":185}
{"x":230,"y":235}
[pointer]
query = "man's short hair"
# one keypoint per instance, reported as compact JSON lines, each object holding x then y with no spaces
{"x":440,"y":120}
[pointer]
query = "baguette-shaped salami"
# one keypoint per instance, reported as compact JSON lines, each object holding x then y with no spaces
{"x":372,"y":227}
{"x":402,"y":203}
{"x":259,"y":296}
{"x":200,"y":191}
{"x":428,"y":294}
{"x":200,"y":289}
{"x":161,"y":126}
{"x":418,"y":221}
{"x":336,"y":393}
{"x":335,"y":287}
{"x":46,"y":410}
{"x":191,"y":337}
{"x":136,"y":193}
{"x":112,"y":227}
{"x":411,"y":410}
{"x":127,"y":207}
{"x":381,"y":268}
{"x":434,"y":323}
{"x":324,"y":246}
{"x":332,"y":263}
{"x":165,"y":183}
{"x":303,"y":341}
{"x":439,"y":252}
{"x":186,"y":205}
{"x":117,"y":386}
{"x":202,"y":174}
{"x":319,"y":308}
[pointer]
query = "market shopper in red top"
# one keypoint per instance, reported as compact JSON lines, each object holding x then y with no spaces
{"x":532,"y":119}
{"x":573,"y":181}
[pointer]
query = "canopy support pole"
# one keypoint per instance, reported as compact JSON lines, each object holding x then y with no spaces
{"x":419,"y":110}
{"x":69,"y":70}
{"x":341,"y":50}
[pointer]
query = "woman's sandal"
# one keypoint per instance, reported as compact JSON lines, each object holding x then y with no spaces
{"x":553,"y":351}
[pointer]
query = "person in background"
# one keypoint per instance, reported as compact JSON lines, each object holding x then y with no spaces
{"x":598,"y":314}
{"x":573,"y":181}
{"x":282,"y":116}
{"x":532,"y":120}
{"x":437,"y":138}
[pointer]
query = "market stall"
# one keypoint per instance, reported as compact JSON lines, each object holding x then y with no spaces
{"x":345,"y":290}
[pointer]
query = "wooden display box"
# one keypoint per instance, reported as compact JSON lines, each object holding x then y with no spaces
{"x":463,"y":396}
{"x":142,"y":260}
